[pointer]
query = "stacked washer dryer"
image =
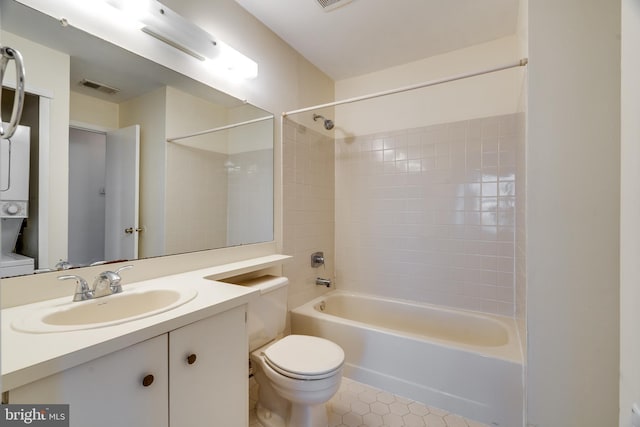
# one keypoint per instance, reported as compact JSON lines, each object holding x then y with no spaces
{"x":14,"y":201}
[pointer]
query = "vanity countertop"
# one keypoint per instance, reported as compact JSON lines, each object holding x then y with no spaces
{"x":27,"y":357}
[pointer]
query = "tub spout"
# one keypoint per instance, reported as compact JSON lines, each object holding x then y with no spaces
{"x":323,"y":282}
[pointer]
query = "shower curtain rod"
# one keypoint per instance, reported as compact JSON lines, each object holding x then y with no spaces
{"x":231,"y":126}
{"x":520,"y":63}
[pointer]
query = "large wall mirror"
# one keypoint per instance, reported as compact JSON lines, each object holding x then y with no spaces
{"x":158,"y":163}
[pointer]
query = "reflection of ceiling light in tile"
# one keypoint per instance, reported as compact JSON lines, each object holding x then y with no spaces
{"x":231,"y":167}
{"x":171,"y":28}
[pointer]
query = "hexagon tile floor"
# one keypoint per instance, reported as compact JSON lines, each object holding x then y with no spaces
{"x":360,"y":405}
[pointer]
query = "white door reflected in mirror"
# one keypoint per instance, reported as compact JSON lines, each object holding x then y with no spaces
{"x":122,"y":187}
{"x":103,"y":194}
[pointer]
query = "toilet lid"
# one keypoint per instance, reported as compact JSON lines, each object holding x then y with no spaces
{"x":304,"y":357}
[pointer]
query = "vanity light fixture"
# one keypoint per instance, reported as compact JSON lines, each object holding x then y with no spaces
{"x":164,"y":24}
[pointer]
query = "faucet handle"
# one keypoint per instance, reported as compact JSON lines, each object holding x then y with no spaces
{"x":82,"y":292}
{"x":317,"y":259}
{"x":124,"y":267}
{"x":116,"y":287}
{"x":103,"y":283}
{"x":113,"y":278}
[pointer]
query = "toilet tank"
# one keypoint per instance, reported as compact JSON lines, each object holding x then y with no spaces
{"x":267,"y":314}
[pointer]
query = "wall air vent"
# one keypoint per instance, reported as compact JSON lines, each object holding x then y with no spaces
{"x":329,"y":5}
{"x":100,"y":87}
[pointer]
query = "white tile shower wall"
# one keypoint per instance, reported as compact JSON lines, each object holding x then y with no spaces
{"x":308,"y":209}
{"x":428,"y":214}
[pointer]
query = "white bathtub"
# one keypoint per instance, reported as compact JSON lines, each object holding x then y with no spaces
{"x":464,"y":362}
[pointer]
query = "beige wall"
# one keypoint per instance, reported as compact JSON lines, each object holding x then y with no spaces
{"x":573,"y":207}
{"x":483,"y":96}
{"x":630,"y":213}
{"x":89,"y":110}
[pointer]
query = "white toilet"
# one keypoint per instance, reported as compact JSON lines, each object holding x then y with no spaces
{"x":296,"y":374}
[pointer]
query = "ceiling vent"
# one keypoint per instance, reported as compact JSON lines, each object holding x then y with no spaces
{"x":100,"y":87}
{"x":329,"y":5}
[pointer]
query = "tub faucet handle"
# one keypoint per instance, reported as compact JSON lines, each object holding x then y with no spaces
{"x":317,"y":259}
{"x":323,"y":282}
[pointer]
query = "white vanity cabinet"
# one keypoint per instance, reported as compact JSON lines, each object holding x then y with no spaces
{"x":196,"y":375}
{"x":209,"y":372}
{"x":109,"y":391}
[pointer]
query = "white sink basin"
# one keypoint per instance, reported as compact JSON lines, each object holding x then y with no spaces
{"x":131,"y":304}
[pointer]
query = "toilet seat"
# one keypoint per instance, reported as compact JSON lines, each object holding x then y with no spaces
{"x":304,"y":357}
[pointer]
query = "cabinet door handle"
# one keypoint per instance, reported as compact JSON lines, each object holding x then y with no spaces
{"x":191,"y":359}
{"x":147,"y":380}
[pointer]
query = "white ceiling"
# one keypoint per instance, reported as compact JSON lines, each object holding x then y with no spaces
{"x":369,"y":35}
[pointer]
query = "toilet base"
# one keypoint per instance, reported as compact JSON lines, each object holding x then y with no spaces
{"x":308,"y":416}
{"x":268,"y":418}
{"x":299,"y":416}
{"x":273,"y":410}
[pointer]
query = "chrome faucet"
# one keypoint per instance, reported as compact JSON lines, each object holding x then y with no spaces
{"x":105,"y":283}
{"x":63,"y":265}
{"x":82,"y":292}
{"x":108,"y":282}
{"x":323,"y":282}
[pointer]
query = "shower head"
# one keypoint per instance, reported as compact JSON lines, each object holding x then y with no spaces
{"x":328,"y":124}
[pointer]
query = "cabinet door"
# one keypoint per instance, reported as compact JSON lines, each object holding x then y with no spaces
{"x":213,"y":389}
{"x":109,"y":391}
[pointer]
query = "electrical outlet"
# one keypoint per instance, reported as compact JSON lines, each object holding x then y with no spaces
{"x":635,"y":415}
